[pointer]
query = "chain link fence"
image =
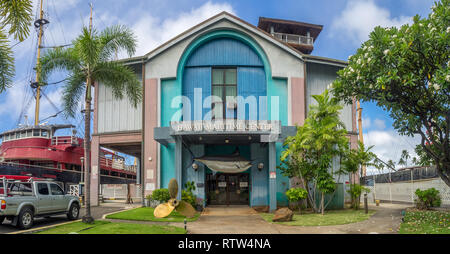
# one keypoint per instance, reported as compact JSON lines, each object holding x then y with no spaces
{"x":401,"y":185}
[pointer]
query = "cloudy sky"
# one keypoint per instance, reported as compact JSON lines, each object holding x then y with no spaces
{"x":347,"y":24}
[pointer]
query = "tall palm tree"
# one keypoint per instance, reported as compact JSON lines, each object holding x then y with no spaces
{"x":16,"y":16}
{"x":89,"y":61}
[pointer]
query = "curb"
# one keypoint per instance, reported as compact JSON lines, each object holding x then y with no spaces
{"x":126,"y":209}
{"x":42,"y":228}
{"x":60,"y":224}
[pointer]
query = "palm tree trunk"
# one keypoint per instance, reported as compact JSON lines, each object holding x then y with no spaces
{"x":323,"y":204}
{"x":87,"y":152}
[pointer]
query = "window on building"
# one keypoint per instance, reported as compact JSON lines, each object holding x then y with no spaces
{"x":224,"y":90}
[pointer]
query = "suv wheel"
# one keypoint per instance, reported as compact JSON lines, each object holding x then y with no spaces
{"x":2,"y":218}
{"x":26,"y":217}
{"x":74,"y":212}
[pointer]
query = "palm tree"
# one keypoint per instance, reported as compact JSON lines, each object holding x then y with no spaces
{"x":404,"y":158}
{"x":16,"y":15}
{"x":89,"y":61}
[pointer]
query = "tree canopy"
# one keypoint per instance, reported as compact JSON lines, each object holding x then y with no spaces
{"x":406,"y":72}
{"x":309,"y":154}
{"x":15,"y":20}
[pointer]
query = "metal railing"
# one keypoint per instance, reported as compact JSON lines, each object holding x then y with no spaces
{"x":294,"y":38}
{"x":65,"y":140}
{"x":116,"y":164}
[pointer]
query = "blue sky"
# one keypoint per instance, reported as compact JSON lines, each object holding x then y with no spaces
{"x":347,"y":24}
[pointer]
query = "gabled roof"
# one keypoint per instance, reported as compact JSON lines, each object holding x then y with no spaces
{"x":222,"y":16}
{"x":229,"y":17}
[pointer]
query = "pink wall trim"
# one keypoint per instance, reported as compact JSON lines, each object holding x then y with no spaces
{"x":150,"y":145}
{"x":120,"y":138}
{"x":95,"y":176}
{"x":298,"y":101}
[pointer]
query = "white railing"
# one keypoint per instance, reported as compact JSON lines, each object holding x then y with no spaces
{"x":66,"y":140}
{"x":294,"y":38}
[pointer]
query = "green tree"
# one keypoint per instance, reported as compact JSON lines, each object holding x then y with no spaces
{"x":309,"y":154}
{"x":423,"y":158}
{"x":391,"y":164}
{"x":354,"y":160}
{"x":406,"y":72}
{"x":404,"y":158}
{"x":88,"y":62}
{"x":15,"y":19}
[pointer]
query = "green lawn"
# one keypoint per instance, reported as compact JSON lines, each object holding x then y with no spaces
{"x":333,"y":217}
{"x":146,"y":214}
{"x":425,"y":222}
{"x":106,"y":227}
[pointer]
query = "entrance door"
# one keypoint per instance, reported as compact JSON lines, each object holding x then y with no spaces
{"x":228,"y":189}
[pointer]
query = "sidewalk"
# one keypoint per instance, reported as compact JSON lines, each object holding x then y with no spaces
{"x":231,"y":220}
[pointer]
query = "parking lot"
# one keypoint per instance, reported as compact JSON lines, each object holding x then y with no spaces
{"x":96,"y":212}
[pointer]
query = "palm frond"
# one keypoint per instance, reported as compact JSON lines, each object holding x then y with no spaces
{"x":73,"y":93}
{"x":116,"y":38}
{"x":87,"y":47}
{"x":6,"y":63}
{"x":17,"y":14}
{"x":120,"y":79}
{"x":58,"y":59}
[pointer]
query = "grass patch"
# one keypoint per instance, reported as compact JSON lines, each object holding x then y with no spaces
{"x":425,"y":222}
{"x":106,"y":227}
{"x":334,"y":217}
{"x":146,"y":214}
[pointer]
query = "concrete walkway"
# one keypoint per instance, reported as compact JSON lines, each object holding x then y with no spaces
{"x":245,"y":220}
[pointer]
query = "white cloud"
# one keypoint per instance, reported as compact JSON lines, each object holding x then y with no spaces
{"x":152,"y":31}
{"x":359,"y":18}
{"x":388,"y":145}
{"x":366,"y":123}
{"x":380,"y":124}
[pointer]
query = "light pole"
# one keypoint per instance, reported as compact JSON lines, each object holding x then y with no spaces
{"x":82,"y":177}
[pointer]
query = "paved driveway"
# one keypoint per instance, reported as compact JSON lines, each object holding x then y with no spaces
{"x":244,"y":220}
{"x":96,"y":212}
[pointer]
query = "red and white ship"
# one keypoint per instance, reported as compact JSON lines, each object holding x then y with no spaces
{"x":36,"y":151}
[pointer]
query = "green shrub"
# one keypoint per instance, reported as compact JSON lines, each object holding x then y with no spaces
{"x":427,"y":198}
{"x":295,"y":195}
{"x":188,"y":196}
{"x":162,"y":195}
{"x":355,"y":193}
{"x":190,"y":186}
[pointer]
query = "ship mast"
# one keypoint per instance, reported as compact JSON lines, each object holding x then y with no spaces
{"x":359,"y":109}
{"x":38,"y":24}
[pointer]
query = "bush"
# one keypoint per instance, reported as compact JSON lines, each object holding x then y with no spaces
{"x":188,"y":196}
{"x":296,"y":195}
{"x":162,"y":195}
{"x":190,"y":186}
{"x":355,"y":193}
{"x":427,"y":198}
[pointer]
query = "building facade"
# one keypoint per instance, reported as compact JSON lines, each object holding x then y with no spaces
{"x":219,"y":100}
